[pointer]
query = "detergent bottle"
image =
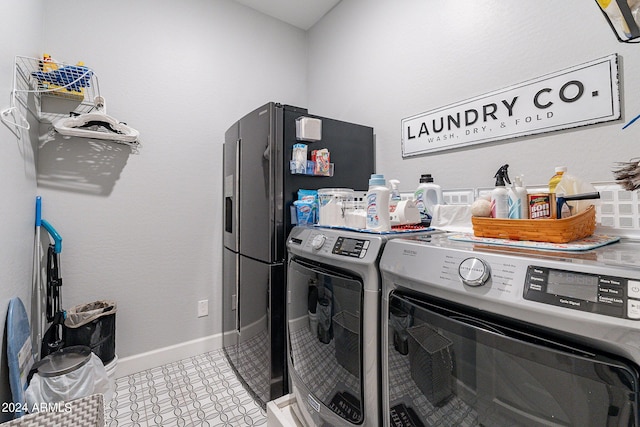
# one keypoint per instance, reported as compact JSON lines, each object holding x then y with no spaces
{"x":427,"y":195}
{"x":378,"y":204}
{"x":555,"y":179}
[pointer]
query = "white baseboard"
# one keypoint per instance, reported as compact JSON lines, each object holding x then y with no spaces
{"x":151,"y":359}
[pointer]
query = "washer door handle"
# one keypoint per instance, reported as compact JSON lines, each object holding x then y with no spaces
{"x":478,"y":324}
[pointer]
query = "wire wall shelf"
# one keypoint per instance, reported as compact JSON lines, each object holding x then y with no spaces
{"x":49,"y":90}
{"x":67,"y":96}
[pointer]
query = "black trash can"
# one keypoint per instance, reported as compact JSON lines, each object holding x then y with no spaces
{"x":92,"y":325}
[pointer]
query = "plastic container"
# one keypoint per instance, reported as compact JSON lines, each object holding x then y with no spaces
{"x":323,"y":316}
{"x":555,"y":179}
{"x":430,"y":363}
{"x":405,"y":213}
{"x":355,"y":214}
{"x":378,"y":204}
{"x":331,"y":205}
{"x":347,"y":336}
{"x":427,"y":195}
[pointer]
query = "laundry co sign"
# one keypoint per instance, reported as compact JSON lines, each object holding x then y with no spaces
{"x":578,"y":96}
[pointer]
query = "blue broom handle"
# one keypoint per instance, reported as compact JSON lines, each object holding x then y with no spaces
{"x":54,"y":234}
{"x":38,"y":211}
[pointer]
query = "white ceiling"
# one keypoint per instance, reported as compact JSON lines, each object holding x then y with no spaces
{"x":300,"y":13}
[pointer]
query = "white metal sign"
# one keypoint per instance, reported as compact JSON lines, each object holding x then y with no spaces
{"x":582,"y":95}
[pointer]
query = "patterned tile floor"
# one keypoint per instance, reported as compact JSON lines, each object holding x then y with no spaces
{"x":200,"y":391}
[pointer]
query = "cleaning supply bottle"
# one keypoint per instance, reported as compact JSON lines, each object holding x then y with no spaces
{"x":518,"y":208}
{"x":562,"y":208}
{"x":394,"y":198}
{"x":427,"y":195}
{"x":378,"y":204}
{"x":500,"y":195}
{"x":555,"y":179}
{"x":571,"y":186}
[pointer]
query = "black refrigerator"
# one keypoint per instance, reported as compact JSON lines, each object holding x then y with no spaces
{"x":259,"y":191}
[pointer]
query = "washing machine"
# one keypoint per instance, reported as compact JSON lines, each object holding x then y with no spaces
{"x":333,"y":318}
{"x":478,"y":334}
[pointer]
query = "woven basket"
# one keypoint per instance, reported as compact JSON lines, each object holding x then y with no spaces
{"x":538,"y":230}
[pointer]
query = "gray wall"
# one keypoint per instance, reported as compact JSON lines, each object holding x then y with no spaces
{"x":21,"y":33}
{"x":141,"y":229}
{"x":148,"y":234}
{"x":380,"y":61}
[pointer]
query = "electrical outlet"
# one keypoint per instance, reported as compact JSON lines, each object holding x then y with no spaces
{"x":203,"y":308}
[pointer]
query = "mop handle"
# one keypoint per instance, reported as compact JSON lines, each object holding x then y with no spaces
{"x":41,"y":222}
{"x":38,"y":211}
{"x":54,"y":234}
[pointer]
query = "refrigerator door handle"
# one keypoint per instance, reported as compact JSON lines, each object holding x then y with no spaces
{"x":236,"y":197}
{"x":234,"y":297}
{"x":267,"y":152}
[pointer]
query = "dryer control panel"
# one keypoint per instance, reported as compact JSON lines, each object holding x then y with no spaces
{"x":601,"y":294}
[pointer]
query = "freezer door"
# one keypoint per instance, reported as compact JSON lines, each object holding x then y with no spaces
{"x":256,"y":193}
{"x":261,"y":359}
{"x":351,"y":147}
{"x":230,"y":332}
{"x":230,"y":186}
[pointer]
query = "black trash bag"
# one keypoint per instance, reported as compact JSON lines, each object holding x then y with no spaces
{"x":93,"y":325}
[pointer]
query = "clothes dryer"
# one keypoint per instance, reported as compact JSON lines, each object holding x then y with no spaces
{"x":333,"y":318}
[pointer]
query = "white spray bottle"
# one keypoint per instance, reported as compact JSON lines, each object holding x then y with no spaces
{"x":500,"y":195}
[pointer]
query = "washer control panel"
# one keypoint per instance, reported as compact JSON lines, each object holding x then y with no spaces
{"x":327,"y":244}
{"x":347,"y":246}
{"x":607,"y":295}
